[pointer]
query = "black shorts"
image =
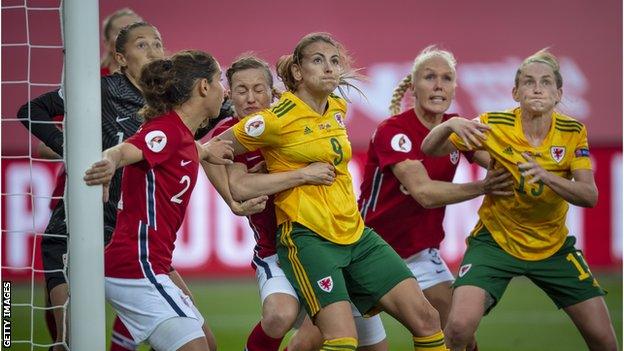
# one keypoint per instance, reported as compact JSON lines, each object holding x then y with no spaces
{"x":54,"y":247}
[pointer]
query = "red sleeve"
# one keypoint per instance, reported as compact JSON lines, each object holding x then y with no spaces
{"x":157,"y":140}
{"x":393,"y":145}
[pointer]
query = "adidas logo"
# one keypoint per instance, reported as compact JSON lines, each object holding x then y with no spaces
{"x":307,"y":130}
{"x":508,"y":150}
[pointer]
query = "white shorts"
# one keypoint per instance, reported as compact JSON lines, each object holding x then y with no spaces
{"x":142,"y":305}
{"x":370,"y":331}
{"x":429,"y":268}
{"x":272,"y":280}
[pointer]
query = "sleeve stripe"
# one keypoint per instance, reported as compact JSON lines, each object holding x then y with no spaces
{"x":505,"y":114}
{"x":501,"y":122}
{"x":568,"y":129}
{"x":283,"y":112}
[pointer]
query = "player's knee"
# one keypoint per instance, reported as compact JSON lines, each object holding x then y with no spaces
{"x":458,"y":332}
{"x":427,"y":321}
{"x":278,"y":322}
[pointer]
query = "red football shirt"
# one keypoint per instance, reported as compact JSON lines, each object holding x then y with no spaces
{"x":385,"y":204}
{"x":263,"y":224}
{"x":155,"y":193}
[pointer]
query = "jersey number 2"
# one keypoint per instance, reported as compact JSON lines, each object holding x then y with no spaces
{"x":177,"y":197}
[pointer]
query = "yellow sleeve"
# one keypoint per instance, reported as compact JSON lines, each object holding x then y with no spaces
{"x":581,"y":153}
{"x":458,"y":142}
{"x":257,"y":131}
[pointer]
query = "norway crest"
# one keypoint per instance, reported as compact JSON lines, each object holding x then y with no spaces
{"x":326,"y":284}
{"x":557,"y":153}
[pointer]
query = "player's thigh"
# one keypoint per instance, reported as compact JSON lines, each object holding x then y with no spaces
{"x":565,"y":276}
{"x":178,"y":333}
{"x":370,"y":331}
{"x":375,"y":269}
{"x":592,"y":319}
{"x":313,"y":265}
{"x":487,"y":266}
{"x":143,"y":304}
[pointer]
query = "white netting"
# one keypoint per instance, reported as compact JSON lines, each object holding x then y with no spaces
{"x":32,"y":46}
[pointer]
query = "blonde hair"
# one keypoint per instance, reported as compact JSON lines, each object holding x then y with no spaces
{"x":285,"y":63}
{"x":543,"y":56}
{"x":425,"y":55}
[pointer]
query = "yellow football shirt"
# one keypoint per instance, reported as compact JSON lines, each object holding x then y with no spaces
{"x":531,"y":224}
{"x":291,"y":135}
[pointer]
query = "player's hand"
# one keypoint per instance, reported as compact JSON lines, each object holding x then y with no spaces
{"x":218,"y":152}
{"x":101,"y":173}
{"x":472,"y":132}
{"x":249,"y":207}
{"x":259,"y":167}
{"x":318,"y":173}
{"x":531,"y":170}
{"x":497,"y":181}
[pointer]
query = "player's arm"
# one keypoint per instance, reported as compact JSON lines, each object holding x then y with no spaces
{"x":45,"y":152}
{"x":245,"y":185}
{"x":431,"y":193}
{"x":36,"y":116}
{"x":219,"y":179}
{"x":470,"y":132}
{"x":228,"y":137}
{"x":581,"y":191}
{"x":101,"y":172}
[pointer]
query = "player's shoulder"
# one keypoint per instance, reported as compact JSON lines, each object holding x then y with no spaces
{"x":567,"y":124}
{"x":339,"y":101}
{"x":502,"y":119}
{"x":222,"y":126}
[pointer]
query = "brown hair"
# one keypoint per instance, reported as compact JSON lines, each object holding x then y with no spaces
{"x":250,"y":61}
{"x":285,"y":63}
{"x":107,"y":25}
{"x":426,"y":54}
{"x":543,"y":56}
{"x":168,"y":83}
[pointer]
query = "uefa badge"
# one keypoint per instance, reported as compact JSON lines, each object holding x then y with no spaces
{"x":464,"y":269}
{"x":557,"y":153}
{"x":156,"y":140}
{"x":454,"y":157}
{"x":339,"y":119}
{"x":254,"y":126}
{"x":401,"y":143}
{"x":326,"y":284}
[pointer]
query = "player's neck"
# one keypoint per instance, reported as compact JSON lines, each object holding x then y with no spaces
{"x":536,"y":126}
{"x":190,"y":116}
{"x":318,"y":103}
{"x":428,"y":119}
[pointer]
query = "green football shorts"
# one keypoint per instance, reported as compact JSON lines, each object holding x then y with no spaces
{"x":323,"y":272}
{"x":564,"y":276}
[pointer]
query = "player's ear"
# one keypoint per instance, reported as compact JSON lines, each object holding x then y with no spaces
{"x":515,"y":94}
{"x":203,"y":86}
{"x":121,"y":59}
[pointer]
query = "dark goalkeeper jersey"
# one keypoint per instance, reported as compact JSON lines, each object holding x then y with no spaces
{"x":121,"y":101}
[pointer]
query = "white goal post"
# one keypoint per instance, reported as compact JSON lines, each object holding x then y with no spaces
{"x":83,"y":147}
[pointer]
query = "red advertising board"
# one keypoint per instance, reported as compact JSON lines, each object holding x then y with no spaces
{"x":214,"y":243}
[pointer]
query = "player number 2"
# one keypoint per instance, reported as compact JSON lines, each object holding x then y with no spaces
{"x":177,"y":197}
{"x":337,"y":149}
{"x":584,"y":275}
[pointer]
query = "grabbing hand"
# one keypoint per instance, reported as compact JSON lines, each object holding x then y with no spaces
{"x":497,"y":181}
{"x":531,"y":170}
{"x":218,"y":152}
{"x":100,"y":173}
{"x":318,"y":173}
{"x":470,"y":131}
{"x":259,"y":167}
{"x":249,"y":207}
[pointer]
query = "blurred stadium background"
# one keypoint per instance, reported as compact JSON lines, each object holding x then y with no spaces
{"x":489,"y":39}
